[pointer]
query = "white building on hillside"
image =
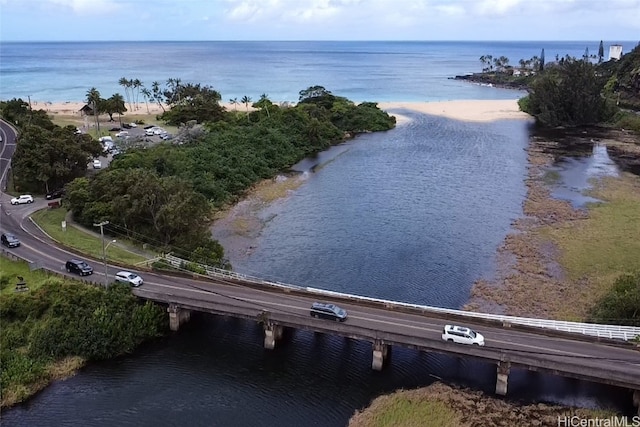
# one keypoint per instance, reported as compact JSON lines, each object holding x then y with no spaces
{"x":615,"y":52}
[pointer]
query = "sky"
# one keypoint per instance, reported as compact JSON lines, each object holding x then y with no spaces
{"x":141,"y":20}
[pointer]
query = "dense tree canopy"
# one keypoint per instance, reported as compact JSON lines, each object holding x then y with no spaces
{"x":47,"y":155}
{"x":569,"y":93}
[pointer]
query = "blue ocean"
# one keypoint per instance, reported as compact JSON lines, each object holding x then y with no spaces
{"x":360,"y":71}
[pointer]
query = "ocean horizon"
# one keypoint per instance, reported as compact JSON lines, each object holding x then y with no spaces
{"x":359,"y":70}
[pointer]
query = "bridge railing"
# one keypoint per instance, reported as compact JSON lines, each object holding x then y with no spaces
{"x":626,"y":333}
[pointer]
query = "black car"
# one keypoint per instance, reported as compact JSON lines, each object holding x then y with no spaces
{"x":78,"y":267}
{"x":55,"y":194}
{"x":328,"y":311}
{"x":9,"y":240}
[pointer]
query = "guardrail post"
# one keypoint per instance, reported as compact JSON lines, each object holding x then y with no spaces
{"x":177,"y":316}
{"x":380,"y":351}
{"x":502,"y":378}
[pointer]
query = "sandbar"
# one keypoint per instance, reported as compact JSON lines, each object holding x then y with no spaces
{"x":464,"y":110}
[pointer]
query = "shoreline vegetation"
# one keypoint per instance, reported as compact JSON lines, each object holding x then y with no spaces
{"x":240,"y":221}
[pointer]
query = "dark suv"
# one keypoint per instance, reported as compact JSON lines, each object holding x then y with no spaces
{"x":9,"y":240}
{"x":78,"y":267}
{"x":55,"y":194}
{"x":328,"y":311}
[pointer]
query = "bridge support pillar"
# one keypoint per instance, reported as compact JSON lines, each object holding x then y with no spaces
{"x":272,"y":333}
{"x":503,"y":378}
{"x":380,"y":351}
{"x":636,"y":400}
{"x":177,"y":316}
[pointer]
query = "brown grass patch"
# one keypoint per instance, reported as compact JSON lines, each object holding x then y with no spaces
{"x":561,"y":259}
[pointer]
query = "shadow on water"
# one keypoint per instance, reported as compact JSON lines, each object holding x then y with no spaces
{"x":216,"y":372}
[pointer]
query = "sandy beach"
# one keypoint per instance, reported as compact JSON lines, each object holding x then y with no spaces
{"x":466,"y":110}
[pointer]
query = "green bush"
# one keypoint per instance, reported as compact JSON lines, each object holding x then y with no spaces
{"x":621,"y":305}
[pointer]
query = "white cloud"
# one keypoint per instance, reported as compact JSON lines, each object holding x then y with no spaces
{"x":80,"y":7}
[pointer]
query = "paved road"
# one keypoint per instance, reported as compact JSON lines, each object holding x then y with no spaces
{"x":7,"y":148}
{"x":37,"y":248}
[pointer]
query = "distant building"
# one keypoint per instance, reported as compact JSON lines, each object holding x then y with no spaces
{"x":86,"y":111}
{"x":615,"y":52}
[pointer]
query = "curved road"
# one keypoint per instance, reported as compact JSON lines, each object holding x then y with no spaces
{"x":620,"y":361}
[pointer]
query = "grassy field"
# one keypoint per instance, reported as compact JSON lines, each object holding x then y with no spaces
{"x":10,"y":270}
{"x":50,"y":220}
{"x":401,"y":409}
{"x":606,"y":244}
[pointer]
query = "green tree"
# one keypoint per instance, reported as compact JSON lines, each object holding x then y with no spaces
{"x":234,"y":102}
{"x":568,"y":94}
{"x":49,"y":158}
{"x":621,"y":305}
{"x":146,"y":93}
{"x":264,"y":103}
{"x":126,"y":84}
{"x":157,"y":94}
{"x":600,"y":52}
{"x":115,"y":105}
{"x":246,"y":100}
{"x":93,"y":99}
{"x":136,"y":84}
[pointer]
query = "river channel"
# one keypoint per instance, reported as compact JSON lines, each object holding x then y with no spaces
{"x":414,"y":214}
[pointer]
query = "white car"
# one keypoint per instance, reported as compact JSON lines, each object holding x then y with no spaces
{"x":149,"y":132}
{"x":129,"y":277}
{"x":133,"y":125}
{"x":461,"y":335}
{"x":105,"y":139}
{"x":97,"y":164}
{"x":25,"y":198}
{"x":122,"y":134}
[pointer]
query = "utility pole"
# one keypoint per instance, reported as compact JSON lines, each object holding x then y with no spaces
{"x":104,"y":252}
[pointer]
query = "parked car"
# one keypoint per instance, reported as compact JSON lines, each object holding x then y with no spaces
{"x":129,"y":277}
{"x":133,"y":125}
{"x":25,"y":198}
{"x":78,"y":267}
{"x":9,"y":240}
{"x":122,"y":134}
{"x":55,"y":194}
{"x":328,"y":311}
{"x":105,"y":138}
{"x":148,"y":132}
{"x":115,"y":129}
{"x":97,"y":164}
{"x":461,"y":335}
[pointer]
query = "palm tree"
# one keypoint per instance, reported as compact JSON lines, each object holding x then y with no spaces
{"x":124,"y":82}
{"x":137,"y":84}
{"x":234,"y":102}
{"x":157,"y":94}
{"x":265,"y":102}
{"x":246,"y":100}
{"x":93,"y":99}
{"x":146,"y":93}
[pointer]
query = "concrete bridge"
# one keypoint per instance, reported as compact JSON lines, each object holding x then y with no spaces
{"x":386,"y":324}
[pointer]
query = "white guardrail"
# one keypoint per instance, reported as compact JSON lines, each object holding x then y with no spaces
{"x":626,"y":333}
